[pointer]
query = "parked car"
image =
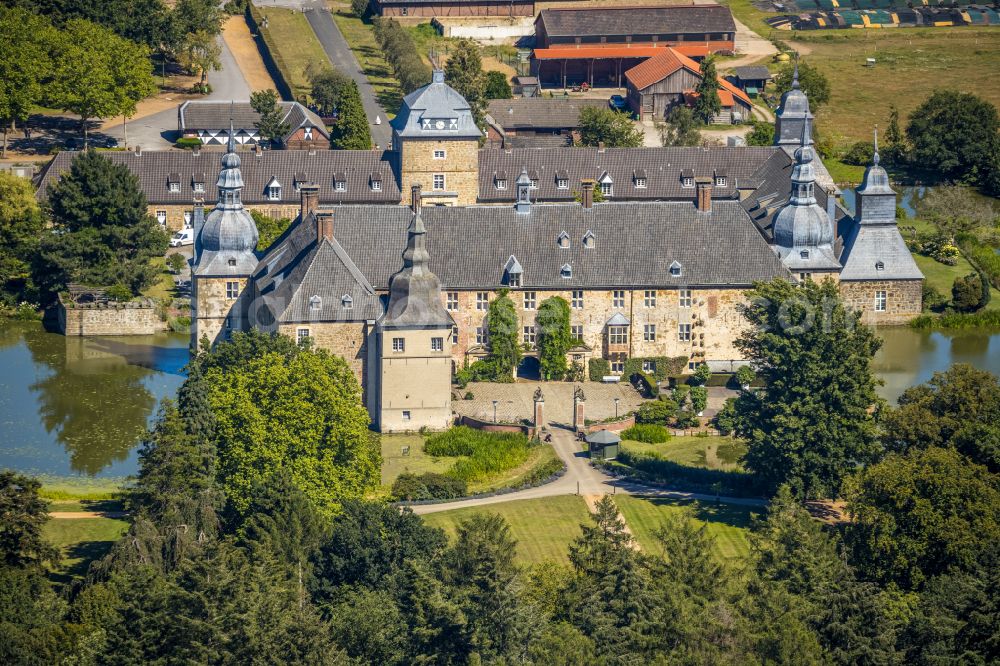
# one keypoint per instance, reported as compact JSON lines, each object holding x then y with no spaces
{"x":618,"y":103}
{"x":183,"y":237}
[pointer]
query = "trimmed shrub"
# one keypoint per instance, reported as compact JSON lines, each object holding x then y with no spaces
{"x":701,"y":375}
{"x":188,"y":142}
{"x":969,"y":293}
{"x":647,"y":432}
{"x":427,"y":486}
{"x":687,"y":419}
{"x":646,"y":384}
{"x":725,"y":420}
{"x":598,"y":368}
{"x":658,"y":412}
{"x":745,"y":375}
{"x":699,"y":399}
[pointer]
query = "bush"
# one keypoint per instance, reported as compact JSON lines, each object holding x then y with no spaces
{"x":983,"y":257}
{"x":933,"y":299}
{"x":762,"y":134}
{"x":359,"y":8}
{"x":647,"y":432}
{"x":598,"y":368}
{"x":468,"y":395}
{"x":699,"y":399}
{"x":686,"y":419}
{"x":119,"y":292}
{"x":701,"y":375}
{"x":428,"y":486}
{"x":497,"y":86}
{"x":725,"y":420}
{"x":646,"y":384}
{"x":575,"y":372}
{"x":188,"y":143}
{"x":657,"y":470}
{"x":936,"y":246}
{"x":681,"y":394}
{"x":859,"y":154}
{"x":176,"y":262}
{"x":658,"y":412}
{"x":481,"y":371}
{"x":484,"y":453}
{"x":745,"y":375}
{"x":969,"y":293}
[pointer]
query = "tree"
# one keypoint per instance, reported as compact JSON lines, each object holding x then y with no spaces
{"x":707,"y":104}
{"x":955,"y":210}
{"x":25,"y":63}
{"x":199,"y":53}
{"x":554,"y":337}
{"x":101,"y":233}
{"x":326,"y":88}
{"x":22,"y":515}
{"x":359,"y":8}
{"x":190,"y":16}
{"x":895,"y":145}
{"x":613,"y":129}
{"x":813,"y":83}
{"x":811,"y":423}
{"x":502,"y":334}
{"x":761,"y":134}
{"x":967,"y":293}
{"x":918,"y":514}
{"x":20,"y":225}
{"x":497,"y":86}
{"x":98,"y":74}
{"x":464,"y":73}
{"x":271,"y":125}
{"x":269,"y":229}
{"x":953,"y":134}
{"x":176,"y":262}
{"x":350,"y":132}
{"x":326,"y":449}
{"x":681,"y":128}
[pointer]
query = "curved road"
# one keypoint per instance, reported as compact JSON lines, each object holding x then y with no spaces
{"x":580,"y":478}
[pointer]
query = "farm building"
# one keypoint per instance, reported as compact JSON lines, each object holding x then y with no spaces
{"x":751,"y":79}
{"x":598,"y":45}
{"x":444,"y":8}
{"x":535,"y":122}
{"x":659,"y":84}
{"x":210,"y":122}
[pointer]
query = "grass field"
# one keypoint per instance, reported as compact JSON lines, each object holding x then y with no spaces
{"x":543,"y":527}
{"x":708,"y":452}
{"x":362,"y":42}
{"x":293,"y":46}
{"x":81,"y":540}
{"x":79,"y":488}
{"x":727,"y":523}
{"x":941,"y":277}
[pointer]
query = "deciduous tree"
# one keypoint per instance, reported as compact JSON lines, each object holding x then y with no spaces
{"x":20,"y":224}
{"x":497,"y":86}
{"x":613,"y":129}
{"x":199,"y":52}
{"x":553,"y":336}
{"x":953,"y":134}
{"x":813,"y":83}
{"x":25,"y":63}
{"x":327,"y":85}
{"x":22,"y":515}
{"x":680,"y":129}
{"x":271,"y":125}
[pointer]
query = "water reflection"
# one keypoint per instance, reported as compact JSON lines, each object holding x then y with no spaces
{"x":78,"y":405}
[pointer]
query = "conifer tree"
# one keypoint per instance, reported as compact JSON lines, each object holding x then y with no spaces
{"x":708,"y":103}
{"x":351,"y":131}
{"x":464,"y":73}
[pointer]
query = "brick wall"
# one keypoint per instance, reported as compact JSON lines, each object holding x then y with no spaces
{"x":115,"y":319}
{"x":903,"y":300}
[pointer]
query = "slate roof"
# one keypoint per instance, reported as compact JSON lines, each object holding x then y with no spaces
{"x":609,"y":21}
{"x":540,"y":112}
{"x":435,"y":111}
{"x":154,"y":169}
{"x":195,"y":115}
{"x":752,"y":73}
{"x":663,"y":167}
{"x":866,"y":245}
{"x":635,"y":244}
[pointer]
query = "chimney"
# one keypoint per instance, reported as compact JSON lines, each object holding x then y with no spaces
{"x":312,"y":150}
{"x":309,"y":196}
{"x":256,"y":150}
{"x":600,"y":146}
{"x":831,"y":204}
{"x":415,"y":198}
{"x":704,"y":195}
{"x":138,"y":150}
{"x":588,"y":193}
{"x":198,"y":222}
{"x":324,"y":226}
{"x":196,"y":150}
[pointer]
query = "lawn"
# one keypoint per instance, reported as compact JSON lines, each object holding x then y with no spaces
{"x":727,"y":523}
{"x":910,"y":64}
{"x":293,"y":45}
{"x":394,"y":462}
{"x":543,"y":527}
{"x":362,"y":42}
{"x":708,"y":452}
{"x":81,"y":540}
{"x":941,"y":277}
{"x":163,"y":289}
{"x":79,"y":488}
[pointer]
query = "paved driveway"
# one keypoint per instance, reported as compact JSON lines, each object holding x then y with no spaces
{"x":343,"y":60}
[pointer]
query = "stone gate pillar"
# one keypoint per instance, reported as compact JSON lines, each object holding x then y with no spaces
{"x":579,"y":418}
{"x":539,"y":408}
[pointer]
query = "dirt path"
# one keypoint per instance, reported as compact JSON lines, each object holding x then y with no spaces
{"x":240,"y":42}
{"x":751,"y":47}
{"x":77,"y":515}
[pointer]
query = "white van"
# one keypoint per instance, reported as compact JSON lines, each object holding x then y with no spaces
{"x":183,"y":237}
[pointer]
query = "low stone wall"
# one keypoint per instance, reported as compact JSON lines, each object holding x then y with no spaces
{"x":624,"y":423}
{"x":138,"y":318}
{"x":488,"y":426}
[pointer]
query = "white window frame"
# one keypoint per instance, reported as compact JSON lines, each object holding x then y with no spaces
{"x":307,"y":133}
{"x":684,"y":298}
{"x":376,"y":186}
{"x":617,"y":367}
{"x":302,"y":335}
{"x":649,"y":366}
{"x":438,"y":182}
{"x":500,"y":183}
{"x":530,"y":300}
{"x":720,"y":181}
{"x":451,"y":301}
{"x":480,"y":335}
{"x":562,"y":184}
{"x":437,"y":344}
{"x":315,"y":303}
{"x":161,"y":217}
{"x":687,"y":182}
{"x":482,"y":300}
{"x":339,"y":185}
{"x":274,"y":193}
{"x":617,"y":335}
{"x":528,"y":335}
{"x":608,"y":189}
{"x":232,"y":290}
{"x":439,"y":154}
{"x":618,"y":298}
{"x":576,"y":300}
{"x":576,"y":330}
{"x":640,"y":183}
{"x":684,"y":332}
{"x":398,"y":345}
{"x":881,"y":300}
{"x":649,"y":332}
{"x":173,"y":187}
{"x":649,"y":298}
{"x":198,"y":187}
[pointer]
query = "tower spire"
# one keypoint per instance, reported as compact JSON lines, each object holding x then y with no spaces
{"x":231,"y":144}
{"x":875,"y":158}
{"x":795,"y":74}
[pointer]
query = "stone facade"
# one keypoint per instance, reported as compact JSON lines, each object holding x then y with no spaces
{"x":176,"y":217}
{"x":415,"y":381}
{"x":459,"y":166}
{"x":903,"y":300}
{"x":345,"y":339}
{"x":216,"y":313}
{"x":112,"y":319}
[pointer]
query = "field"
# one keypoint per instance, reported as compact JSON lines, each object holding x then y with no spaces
{"x":727,"y":523}
{"x":543,"y":527}
{"x":416,"y":461}
{"x":81,"y":540}
{"x":293,"y":46}
{"x":79,"y":488}
{"x":708,"y":452}
{"x":362,"y":42}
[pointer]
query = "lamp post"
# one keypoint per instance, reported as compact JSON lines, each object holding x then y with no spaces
{"x":616,"y":408}
{"x":495,"y":410}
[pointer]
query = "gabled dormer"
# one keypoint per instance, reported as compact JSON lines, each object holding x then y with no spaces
{"x":589,"y":240}
{"x":563,"y":240}
{"x":513,"y":272}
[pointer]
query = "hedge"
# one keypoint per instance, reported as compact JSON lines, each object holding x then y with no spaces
{"x":401,"y":53}
{"x":649,"y":433}
{"x":658,"y":470}
{"x":430,"y":485}
{"x":598,"y":369}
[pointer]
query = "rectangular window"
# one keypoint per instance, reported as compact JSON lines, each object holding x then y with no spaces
{"x":618,"y":299}
{"x":452,"y":302}
{"x":720,"y":181}
{"x":880,"y":301}
{"x":684,"y":298}
{"x":529,"y":300}
{"x":618,"y":335}
{"x":161,"y":217}
{"x":562,"y":184}
{"x":437,"y":344}
{"x":529,"y":335}
{"x":480,"y":335}
{"x":439,"y":154}
{"x":617,"y":367}
{"x":454,"y":335}
{"x":684,"y":332}
{"x":199,"y":187}
{"x":174,"y":187}
{"x":514,"y":279}
{"x":232,"y":289}
{"x":302,"y":336}
{"x":606,"y":189}
{"x":274,"y":193}
{"x":640,"y":183}
{"x":376,"y":186}
{"x":501,"y":184}
{"x":406,"y":412}
{"x":439,"y":181}
{"x":398,"y":345}
{"x":687,"y":182}
{"x":649,"y":298}
{"x":649,"y":366}
{"x":577,"y":301}
{"x":649,"y":332}
{"x":805,"y":276}
{"x":482,"y":300}
{"x":577,"y":332}
{"x":340,"y":185}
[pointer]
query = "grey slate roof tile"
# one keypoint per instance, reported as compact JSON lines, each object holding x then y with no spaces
{"x":195,"y":115}
{"x":637,"y":20}
{"x":540,"y":112}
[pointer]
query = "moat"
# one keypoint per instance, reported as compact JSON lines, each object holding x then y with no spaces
{"x":76,"y":406}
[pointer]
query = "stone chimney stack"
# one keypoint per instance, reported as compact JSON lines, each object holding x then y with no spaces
{"x":415,"y":198}
{"x":831,"y":205}
{"x":600,"y":146}
{"x":588,"y":193}
{"x":704,"y":195}
{"x":324,"y":226}
{"x":138,"y":150}
{"x":309,"y":193}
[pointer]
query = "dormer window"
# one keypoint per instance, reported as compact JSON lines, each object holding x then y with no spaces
{"x":533,"y":179}
{"x":300,"y":178}
{"x":607,"y":185}
{"x":534,"y":183}
{"x":879,"y":266}
{"x":347,"y":302}
{"x":566,"y":271}
{"x":640,"y":183}
{"x":563,"y":240}
{"x":375,"y":182}
{"x":512,"y":271}
{"x":562,"y":183}
{"x":719,"y":175}
{"x":315,"y":303}
{"x":232,"y":262}
{"x":639,"y":179}
{"x":687,"y":178}
{"x":198,"y":187}
{"x":501,"y":183}
{"x":804,"y":254}
{"x":675,"y":269}
{"x":589,"y":240}
{"x":274,"y":191}
{"x":174,"y":182}
{"x":687,"y":182}
{"x":514,"y":280}
{"x":500,"y":180}
{"x":339,"y":182}
{"x":173,"y":187}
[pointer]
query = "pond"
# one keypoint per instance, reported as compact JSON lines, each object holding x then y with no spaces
{"x":73,"y":406}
